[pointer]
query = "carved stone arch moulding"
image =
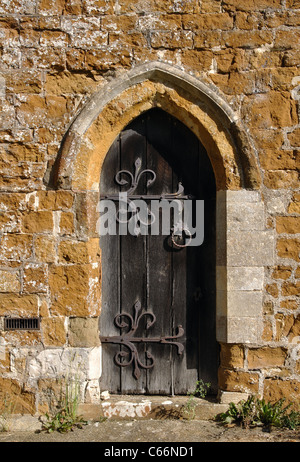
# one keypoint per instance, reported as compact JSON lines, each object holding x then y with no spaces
{"x":195,"y":103}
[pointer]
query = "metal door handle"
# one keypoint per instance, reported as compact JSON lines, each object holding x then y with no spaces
{"x":179,"y":240}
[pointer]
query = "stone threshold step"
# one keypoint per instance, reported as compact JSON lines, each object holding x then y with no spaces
{"x":119,"y":407}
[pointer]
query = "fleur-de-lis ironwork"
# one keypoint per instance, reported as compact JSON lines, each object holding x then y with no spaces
{"x":125,"y":320}
{"x":135,"y":179}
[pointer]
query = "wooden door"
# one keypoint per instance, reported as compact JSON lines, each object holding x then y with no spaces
{"x":157,"y":322}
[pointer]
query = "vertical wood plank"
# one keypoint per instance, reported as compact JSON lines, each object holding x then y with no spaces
{"x":185,"y":268}
{"x":133,"y":256}
{"x":160,"y":378}
{"x":110,"y":256}
{"x":208,"y":346}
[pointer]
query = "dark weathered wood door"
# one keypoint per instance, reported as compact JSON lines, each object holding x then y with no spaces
{"x":147,"y":274}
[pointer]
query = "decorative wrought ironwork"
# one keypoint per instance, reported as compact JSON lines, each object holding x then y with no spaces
{"x":136,"y":178}
{"x":134,"y":181}
{"x":128,"y":340}
{"x":178,"y":240}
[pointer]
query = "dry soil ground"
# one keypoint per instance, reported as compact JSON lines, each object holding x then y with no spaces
{"x":155,"y":431}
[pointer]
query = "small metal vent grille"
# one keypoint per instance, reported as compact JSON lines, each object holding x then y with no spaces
{"x":22,"y":324}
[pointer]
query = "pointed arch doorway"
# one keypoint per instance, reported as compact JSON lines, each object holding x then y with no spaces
{"x":158,"y":312}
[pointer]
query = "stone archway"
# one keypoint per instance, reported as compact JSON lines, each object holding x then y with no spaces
{"x":156,"y":84}
{"x":244,"y":245}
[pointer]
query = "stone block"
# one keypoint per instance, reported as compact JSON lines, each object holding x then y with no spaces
{"x":35,"y":278}
{"x":94,"y":363}
{"x":193,"y":58}
{"x":18,"y":305}
{"x":26,"y":423}
{"x":11,"y":201}
{"x":86,"y":214}
{"x":246,"y":39}
{"x":99,"y":7}
{"x":227,"y":397}
{"x":272,"y":289}
{"x":39,"y":58}
{"x":16,"y":247}
{"x":44,"y":249}
{"x":289,"y":389}
{"x":290,"y":304}
{"x":24,"y":81}
{"x":92,"y":392}
{"x":240,"y":278}
{"x":267,"y":332}
{"x":276,"y":201}
{"x":37,"y":110}
{"x":250,"y":248}
{"x":244,"y":303}
{"x":281,"y":179}
{"x":70,"y":83}
{"x":37,"y":222}
{"x":221,"y":239}
{"x":239,"y":303}
{"x":266,"y":357}
{"x":272,"y":109}
{"x":84,"y":332}
{"x":238,"y":329}
{"x":294,"y":206}
{"x":243,"y":329}
{"x":240,"y":196}
{"x":66,"y":223}
{"x":9,"y":281}
{"x":289,"y":248}
{"x":54,"y":200}
{"x":290,"y":288}
{"x":11,"y":392}
{"x":207,"y":39}
{"x":16,"y":152}
{"x":221,"y":327}
{"x":54,"y":331}
{"x":245,"y":216}
{"x":245,"y":278}
{"x":171,"y":39}
{"x":72,"y":363}
{"x":251,"y":5}
{"x":212,"y":21}
{"x":7,"y":114}
{"x":238,"y":381}
{"x":221,"y":303}
{"x":51,"y":392}
{"x":279,"y":160}
{"x":232,"y":356}
{"x":284,"y":324}
{"x":288,"y":225}
{"x":294,"y":334}
{"x":79,"y":252}
{"x":75,"y":290}
{"x":286,"y":39}
{"x":46,"y":7}
{"x":56,"y":39}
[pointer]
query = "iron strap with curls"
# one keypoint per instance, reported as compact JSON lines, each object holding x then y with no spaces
{"x":128,"y":340}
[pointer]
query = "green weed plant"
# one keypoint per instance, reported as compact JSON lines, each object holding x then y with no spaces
{"x":66,"y":417}
{"x":255,"y":412}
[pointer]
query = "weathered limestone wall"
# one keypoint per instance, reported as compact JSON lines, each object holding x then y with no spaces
{"x":54,"y":56}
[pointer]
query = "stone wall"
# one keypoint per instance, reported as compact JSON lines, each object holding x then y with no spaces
{"x":54,"y":56}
